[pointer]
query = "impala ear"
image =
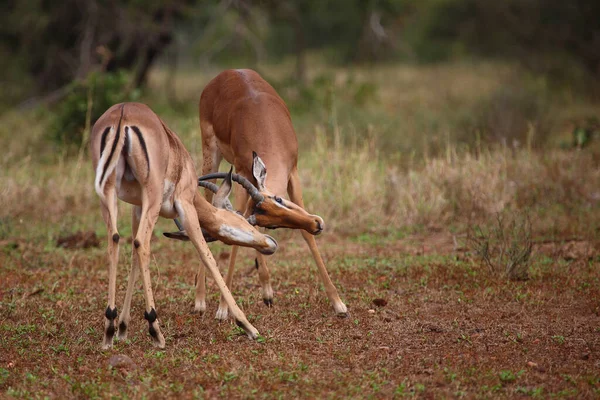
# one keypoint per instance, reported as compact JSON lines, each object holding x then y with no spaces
{"x":180,"y":235}
{"x":259,"y":170}
{"x":221,"y":199}
{"x":183,"y":236}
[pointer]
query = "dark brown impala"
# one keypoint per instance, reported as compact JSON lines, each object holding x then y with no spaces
{"x":243,"y":119}
{"x":139,"y":160}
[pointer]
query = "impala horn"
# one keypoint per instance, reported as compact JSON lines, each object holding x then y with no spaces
{"x":209,"y":185}
{"x":256,"y":196}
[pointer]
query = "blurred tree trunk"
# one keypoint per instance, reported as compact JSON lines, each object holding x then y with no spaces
{"x":300,"y":48}
{"x":67,"y":40}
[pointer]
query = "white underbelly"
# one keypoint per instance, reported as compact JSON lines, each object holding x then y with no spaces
{"x":131,"y":192}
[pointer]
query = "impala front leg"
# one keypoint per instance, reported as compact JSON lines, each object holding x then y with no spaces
{"x":200,"y":302}
{"x":187,"y":212}
{"x":241,"y":199}
{"x":295,"y":192}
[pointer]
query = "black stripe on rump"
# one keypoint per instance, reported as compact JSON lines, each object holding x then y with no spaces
{"x":114,"y":146}
{"x":126,"y":145}
{"x":143,"y":143}
{"x":103,"y":140}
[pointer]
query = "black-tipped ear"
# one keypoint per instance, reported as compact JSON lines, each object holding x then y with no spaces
{"x":229,"y":176}
{"x":254,"y":155}
{"x":181,"y":235}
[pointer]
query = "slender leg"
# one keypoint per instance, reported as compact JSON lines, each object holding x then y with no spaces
{"x":295,"y":192}
{"x":125,"y":316}
{"x":210,"y":163}
{"x":265,"y":279}
{"x":141,"y":245}
{"x":109,"y":213}
{"x":211,"y":156}
{"x":241,"y":199}
{"x":187,"y":212}
{"x":200,"y":302}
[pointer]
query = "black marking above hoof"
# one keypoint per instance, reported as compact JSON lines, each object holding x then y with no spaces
{"x":240,"y":324}
{"x":150,"y":316}
{"x":110,"y":314}
{"x":122,"y":328}
{"x":256,"y":263}
{"x":116,"y":238}
{"x":343,"y":314}
{"x":110,"y":326}
{"x":268,"y":302}
{"x":136,"y":243}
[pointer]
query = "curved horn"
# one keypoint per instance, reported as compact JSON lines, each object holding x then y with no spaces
{"x":246,"y":184}
{"x":209,"y":185}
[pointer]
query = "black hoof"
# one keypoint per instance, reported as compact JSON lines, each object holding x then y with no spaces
{"x":268,"y":302}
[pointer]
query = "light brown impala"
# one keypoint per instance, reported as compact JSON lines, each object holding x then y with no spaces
{"x":142,"y":162}
{"x":243,"y":119}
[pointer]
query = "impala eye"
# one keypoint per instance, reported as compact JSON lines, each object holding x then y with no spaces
{"x":278,"y":199}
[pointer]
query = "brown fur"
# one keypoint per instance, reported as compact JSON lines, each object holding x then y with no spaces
{"x":159,"y":181}
{"x":240,"y":113}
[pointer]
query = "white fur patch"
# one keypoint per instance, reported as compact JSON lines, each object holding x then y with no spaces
{"x":167,"y":206}
{"x":101,"y":162}
{"x":235,"y":234}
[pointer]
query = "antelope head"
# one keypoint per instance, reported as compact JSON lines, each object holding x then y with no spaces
{"x":269,"y":210}
{"x":225,"y":224}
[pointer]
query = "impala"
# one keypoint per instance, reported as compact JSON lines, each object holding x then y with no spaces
{"x":243,"y":119}
{"x":142,"y":162}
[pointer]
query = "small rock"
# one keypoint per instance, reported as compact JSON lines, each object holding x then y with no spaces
{"x":122,"y":362}
{"x":536,"y":366}
{"x":380,"y":302}
{"x":79,"y":240}
{"x":371,"y":311}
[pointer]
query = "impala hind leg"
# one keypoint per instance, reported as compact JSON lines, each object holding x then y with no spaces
{"x":211,"y":156}
{"x":109,"y":213}
{"x":187,"y":212}
{"x":141,"y":245}
{"x":125,"y":315}
{"x":264,"y":278}
{"x":295,"y":192}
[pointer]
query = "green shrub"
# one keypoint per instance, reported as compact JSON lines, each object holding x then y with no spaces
{"x":89,"y":98}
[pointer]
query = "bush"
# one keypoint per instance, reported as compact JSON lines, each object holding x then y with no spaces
{"x":89,"y":98}
{"x":504,"y":245}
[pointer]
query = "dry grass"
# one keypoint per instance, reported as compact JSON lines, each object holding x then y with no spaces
{"x":356,"y":189}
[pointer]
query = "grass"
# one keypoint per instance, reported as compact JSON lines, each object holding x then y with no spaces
{"x":398,"y":188}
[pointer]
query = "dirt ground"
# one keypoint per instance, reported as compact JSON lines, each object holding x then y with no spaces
{"x":426,"y":320}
